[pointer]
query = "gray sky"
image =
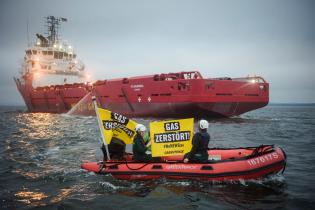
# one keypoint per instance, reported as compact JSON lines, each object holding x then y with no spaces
{"x":271,"y":38}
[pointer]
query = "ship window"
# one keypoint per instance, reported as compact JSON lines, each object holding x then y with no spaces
{"x":50,"y":52}
{"x":28,"y":52}
{"x":58,"y":55}
{"x":65,"y":54}
{"x":44,"y":52}
{"x":74,"y":55}
{"x":34,"y":52}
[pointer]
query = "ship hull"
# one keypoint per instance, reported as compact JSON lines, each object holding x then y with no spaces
{"x":145,"y":97}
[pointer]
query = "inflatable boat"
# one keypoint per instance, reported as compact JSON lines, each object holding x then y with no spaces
{"x":223,"y":165}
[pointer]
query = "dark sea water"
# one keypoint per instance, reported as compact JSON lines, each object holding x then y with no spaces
{"x":40,"y":156}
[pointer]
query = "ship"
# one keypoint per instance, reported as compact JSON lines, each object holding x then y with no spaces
{"x":163,"y":95}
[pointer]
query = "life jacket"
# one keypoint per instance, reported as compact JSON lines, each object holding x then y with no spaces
{"x":204,"y":139}
{"x":139,"y":149}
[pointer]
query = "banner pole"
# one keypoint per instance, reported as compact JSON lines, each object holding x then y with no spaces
{"x":100,"y":126}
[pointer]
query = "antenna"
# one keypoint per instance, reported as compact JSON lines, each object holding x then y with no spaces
{"x":53,"y":24}
{"x":28,"y":36}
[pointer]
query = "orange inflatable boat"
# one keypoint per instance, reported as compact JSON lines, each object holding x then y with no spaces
{"x":223,"y":165}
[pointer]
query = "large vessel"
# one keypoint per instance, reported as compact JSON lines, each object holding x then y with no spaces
{"x":181,"y":94}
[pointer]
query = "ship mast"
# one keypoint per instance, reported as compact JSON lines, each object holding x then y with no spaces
{"x":53,"y":24}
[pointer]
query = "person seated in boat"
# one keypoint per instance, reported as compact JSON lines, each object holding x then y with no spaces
{"x":200,"y":141}
{"x":116,"y":149}
{"x":140,"y":148}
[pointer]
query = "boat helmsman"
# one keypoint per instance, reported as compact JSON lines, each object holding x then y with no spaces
{"x":200,"y":141}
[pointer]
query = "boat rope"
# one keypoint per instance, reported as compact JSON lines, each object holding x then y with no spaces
{"x":135,"y":169}
{"x":219,"y":148}
{"x":262,"y":149}
{"x":102,"y":165}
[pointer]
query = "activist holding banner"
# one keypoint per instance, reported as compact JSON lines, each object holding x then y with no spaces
{"x":117,"y":131}
{"x":171,"y":137}
{"x":199,"y":151}
{"x":141,"y":146}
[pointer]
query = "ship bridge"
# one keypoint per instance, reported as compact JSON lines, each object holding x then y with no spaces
{"x":49,"y":55}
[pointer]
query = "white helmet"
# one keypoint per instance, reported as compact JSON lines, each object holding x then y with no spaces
{"x":203,"y":124}
{"x":140,"y":127}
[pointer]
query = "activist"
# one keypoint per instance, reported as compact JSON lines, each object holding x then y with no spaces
{"x":200,"y":141}
{"x":139,"y":146}
{"x":116,"y":149}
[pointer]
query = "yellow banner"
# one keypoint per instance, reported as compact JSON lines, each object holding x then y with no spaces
{"x":117,"y":125}
{"x":172,"y":137}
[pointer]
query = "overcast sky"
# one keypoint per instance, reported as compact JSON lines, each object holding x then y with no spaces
{"x":271,"y":38}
